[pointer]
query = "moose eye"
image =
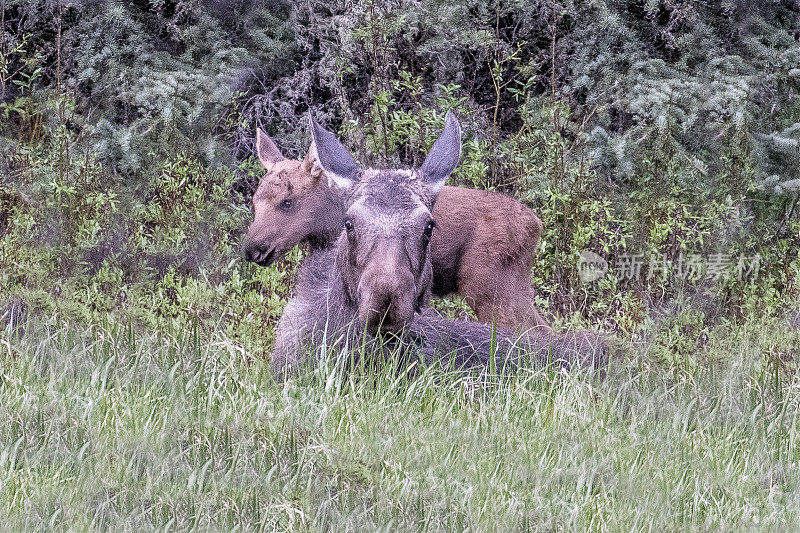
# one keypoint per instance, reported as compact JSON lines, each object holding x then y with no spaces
{"x":428,"y":232}
{"x":286,"y":204}
{"x":348,"y":225}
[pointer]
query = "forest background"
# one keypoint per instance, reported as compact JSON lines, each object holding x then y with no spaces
{"x":661,"y":135}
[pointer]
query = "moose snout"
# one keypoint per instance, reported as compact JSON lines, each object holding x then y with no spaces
{"x":386,"y":301}
{"x":263,"y":254}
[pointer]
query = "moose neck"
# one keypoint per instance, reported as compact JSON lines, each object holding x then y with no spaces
{"x":321,"y":281}
{"x":328,"y":225}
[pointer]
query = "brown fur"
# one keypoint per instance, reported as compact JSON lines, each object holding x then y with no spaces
{"x":315,"y":216}
{"x":483,"y":247}
{"x":484,"y":250}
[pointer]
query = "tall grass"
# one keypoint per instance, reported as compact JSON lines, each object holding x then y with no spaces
{"x":174,"y":429}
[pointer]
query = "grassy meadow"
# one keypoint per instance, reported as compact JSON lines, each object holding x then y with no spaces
{"x":135,"y":392}
{"x":176,"y":428}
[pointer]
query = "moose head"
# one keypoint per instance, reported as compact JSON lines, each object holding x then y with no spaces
{"x":386,"y":226}
{"x":290,"y":205}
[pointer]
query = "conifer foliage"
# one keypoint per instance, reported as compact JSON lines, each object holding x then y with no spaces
{"x":657,"y":127}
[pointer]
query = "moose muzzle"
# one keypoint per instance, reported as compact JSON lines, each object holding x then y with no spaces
{"x":387,"y":290}
{"x":259,"y":252}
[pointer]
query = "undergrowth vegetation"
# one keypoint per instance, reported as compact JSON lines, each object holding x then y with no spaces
{"x":177,"y":428}
{"x":659,"y":137}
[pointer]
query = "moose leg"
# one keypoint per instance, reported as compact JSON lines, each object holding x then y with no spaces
{"x":509,"y":306}
{"x":499,"y":293}
{"x":522,"y":301}
{"x":482,"y":301}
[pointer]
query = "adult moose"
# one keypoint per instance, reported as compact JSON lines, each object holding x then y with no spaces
{"x":377,"y":275}
{"x":483,"y":246}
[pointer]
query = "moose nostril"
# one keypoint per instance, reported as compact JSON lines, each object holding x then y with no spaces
{"x":260,"y":255}
{"x":384,"y":309}
{"x":249,"y":253}
{"x":253,"y":253}
{"x":386,"y":299}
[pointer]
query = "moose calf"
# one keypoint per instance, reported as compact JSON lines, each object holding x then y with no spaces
{"x":483,"y":246}
{"x":377,"y":275}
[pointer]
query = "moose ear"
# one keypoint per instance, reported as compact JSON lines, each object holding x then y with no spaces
{"x":268,"y":152}
{"x":444,"y":156}
{"x":334,"y":158}
{"x":311,"y":165}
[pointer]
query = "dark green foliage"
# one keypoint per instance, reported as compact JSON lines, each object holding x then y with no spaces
{"x":661,"y":128}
